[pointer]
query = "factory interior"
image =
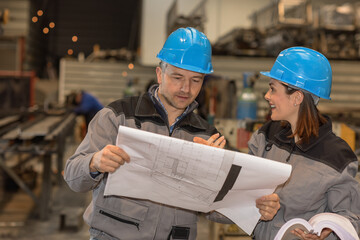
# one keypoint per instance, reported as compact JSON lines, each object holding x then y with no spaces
{"x":50,"y":49}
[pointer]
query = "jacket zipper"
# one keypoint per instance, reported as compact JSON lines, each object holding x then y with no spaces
{"x":120,"y":219}
{"x":291,"y":151}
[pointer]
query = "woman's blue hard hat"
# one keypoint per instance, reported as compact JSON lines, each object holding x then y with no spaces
{"x":303,"y":68}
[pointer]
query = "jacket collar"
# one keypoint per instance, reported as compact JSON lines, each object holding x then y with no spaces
{"x":148,"y":106}
{"x":324,"y":129}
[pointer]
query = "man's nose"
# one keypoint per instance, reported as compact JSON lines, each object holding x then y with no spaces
{"x":185,"y":86}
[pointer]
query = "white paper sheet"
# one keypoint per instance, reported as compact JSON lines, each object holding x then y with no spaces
{"x":189,"y":175}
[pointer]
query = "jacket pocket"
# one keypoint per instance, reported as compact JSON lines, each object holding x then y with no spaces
{"x":119,"y":217}
{"x":118,"y":206}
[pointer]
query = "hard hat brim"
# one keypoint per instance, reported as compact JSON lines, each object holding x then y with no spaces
{"x":268,"y":74}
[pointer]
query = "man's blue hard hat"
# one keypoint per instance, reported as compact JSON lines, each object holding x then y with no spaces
{"x":189,"y":49}
{"x":304,"y":68}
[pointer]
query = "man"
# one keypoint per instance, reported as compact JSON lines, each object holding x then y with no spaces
{"x":166,"y":109}
{"x":87,"y":105}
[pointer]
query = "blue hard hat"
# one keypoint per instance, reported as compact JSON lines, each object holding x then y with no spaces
{"x":189,"y":49}
{"x":303,"y":68}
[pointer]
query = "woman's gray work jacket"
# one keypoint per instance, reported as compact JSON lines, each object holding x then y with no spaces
{"x":322,"y":178}
{"x":123,"y":218}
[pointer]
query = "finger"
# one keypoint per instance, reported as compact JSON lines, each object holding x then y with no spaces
{"x":110,"y":169}
{"x":269,"y":198}
{"x":213,"y":138}
{"x":295,"y":233}
{"x":200,"y":140}
{"x":305,"y":235}
{"x":114,"y":162}
{"x":266,"y":214}
{"x":117,"y":154}
{"x":268,"y":209}
{"x":108,"y":159}
{"x":125,"y":157}
{"x":105,"y":165}
{"x":300,"y":233}
{"x":311,"y":236}
{"x":220,"y":142}
{"x":268,"y":206}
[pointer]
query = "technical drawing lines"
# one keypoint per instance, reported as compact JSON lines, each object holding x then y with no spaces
{"x":187,"y":160}
{"x":206,"y":196}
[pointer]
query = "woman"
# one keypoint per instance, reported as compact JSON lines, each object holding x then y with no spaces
{"x":324,"y":166}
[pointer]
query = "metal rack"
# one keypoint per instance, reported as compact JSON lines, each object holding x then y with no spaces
{"x":283,"y":13}
{"x":39,"y":136}
{"x":332,"y":28}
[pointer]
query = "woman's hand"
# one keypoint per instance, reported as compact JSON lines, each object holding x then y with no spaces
{"x":214,"y":141}
{"x":308,"y":236}
{"x":268,"y":206}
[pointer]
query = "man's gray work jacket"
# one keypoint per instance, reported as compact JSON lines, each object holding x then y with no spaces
{"x":123,"y":218}
{"x":322,"y":177}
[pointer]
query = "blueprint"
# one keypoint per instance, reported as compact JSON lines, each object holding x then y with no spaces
{"x":193,"y":176}
{"x":182,"y":166}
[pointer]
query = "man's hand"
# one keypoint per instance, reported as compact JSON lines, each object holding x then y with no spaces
{"x":108,"y":159}
{"x":214,"y":141}
{"x":268,"y":206}
{"x":308,"y":236}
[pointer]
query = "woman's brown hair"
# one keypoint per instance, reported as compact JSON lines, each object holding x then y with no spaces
{"x":309,"y":118}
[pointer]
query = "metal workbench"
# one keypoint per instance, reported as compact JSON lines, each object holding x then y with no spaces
{"x":39,"y":136}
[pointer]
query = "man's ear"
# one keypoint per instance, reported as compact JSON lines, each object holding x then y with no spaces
{"x":159,"y":75}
